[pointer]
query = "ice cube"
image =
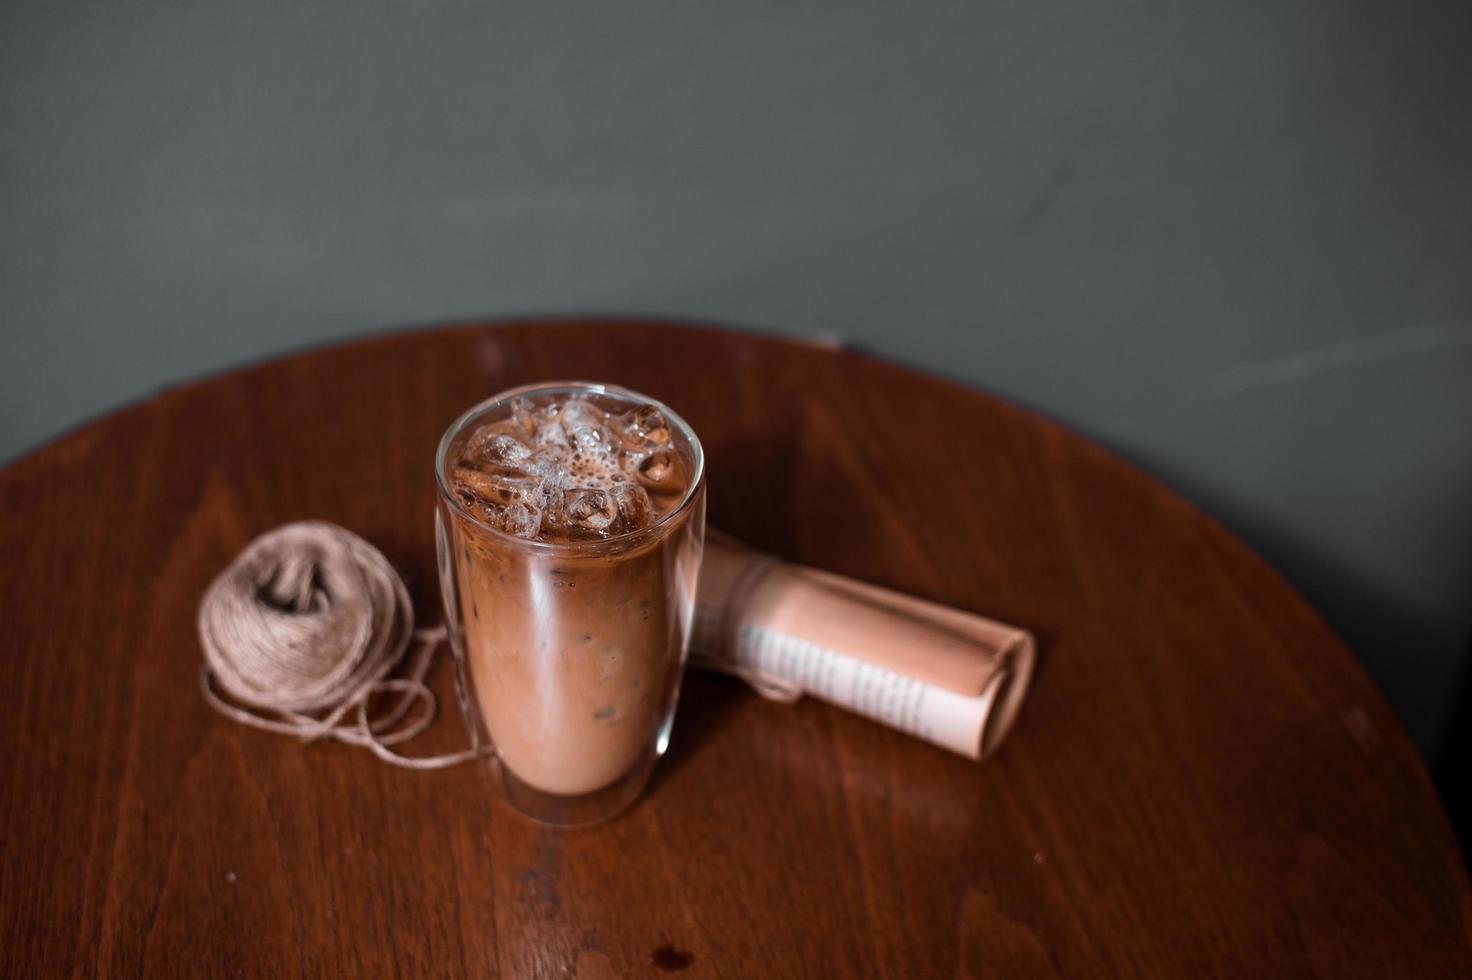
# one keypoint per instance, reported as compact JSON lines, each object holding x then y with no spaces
{"x":549,"y":432}
{"x":552,"y":468}
{"x":578,"y":410}
{"x":587,"y":436}
{"x":521,"y":519}
{"x":633,"y":506}
{"x":493,"y":444}
{"x":589,"y":508}
{"x":495,"y":486}
{"x":659,"y":471}
{"x":523,"y":414}
{"x":645,"y":428}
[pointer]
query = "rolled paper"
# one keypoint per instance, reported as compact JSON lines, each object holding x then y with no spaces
{"x":947,"y":676}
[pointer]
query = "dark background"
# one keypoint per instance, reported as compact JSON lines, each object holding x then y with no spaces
{"x":1231,"y":240}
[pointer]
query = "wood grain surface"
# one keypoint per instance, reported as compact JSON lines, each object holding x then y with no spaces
{"x":1203,"y":781}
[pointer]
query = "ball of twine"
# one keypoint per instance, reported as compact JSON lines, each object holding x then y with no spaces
{"x":303,"y":629}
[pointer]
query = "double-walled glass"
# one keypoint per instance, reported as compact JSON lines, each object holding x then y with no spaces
{"x":570,"y":654}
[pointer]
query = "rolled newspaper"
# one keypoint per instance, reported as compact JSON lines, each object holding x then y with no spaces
{"x":950,"y":677}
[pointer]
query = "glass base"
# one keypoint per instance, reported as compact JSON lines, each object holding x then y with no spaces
{"x":584,"y":809}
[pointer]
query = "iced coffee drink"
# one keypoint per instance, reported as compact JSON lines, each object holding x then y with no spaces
{"x":571,"y":523}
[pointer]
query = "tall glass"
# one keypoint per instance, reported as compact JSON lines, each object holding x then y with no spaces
{"x":570,"y":653}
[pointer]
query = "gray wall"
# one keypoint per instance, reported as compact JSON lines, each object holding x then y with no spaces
{"x":1232,"y":240}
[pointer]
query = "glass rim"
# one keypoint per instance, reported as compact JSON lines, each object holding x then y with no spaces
{"x":697,"y":479}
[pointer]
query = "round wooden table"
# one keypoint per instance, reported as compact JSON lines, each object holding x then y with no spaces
{"x":1202,"y":782}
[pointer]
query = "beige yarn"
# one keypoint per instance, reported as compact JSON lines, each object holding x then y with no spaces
{"x":303,"y":628}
